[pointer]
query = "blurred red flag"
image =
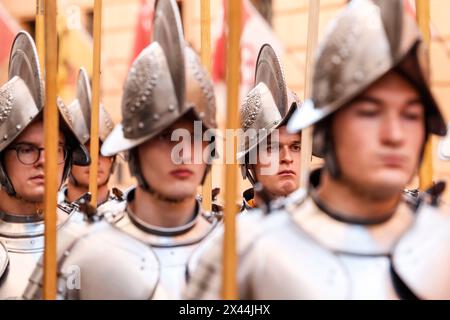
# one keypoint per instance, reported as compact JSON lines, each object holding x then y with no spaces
{"x":8,"y":30}
{"x":255,"y":32}
{"x":410,"y":7}
{"x":143,"y":27}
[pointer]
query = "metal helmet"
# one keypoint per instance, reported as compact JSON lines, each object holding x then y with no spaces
{"x":22,"y":101}
{"x":165,"y":82}
{"x":199,"y":96}
{"x":80,"y":111}
{"x":366,"y":40}
{"x":267,"y":107}
{"x":151,"y":101}
{"x":444,"y":146}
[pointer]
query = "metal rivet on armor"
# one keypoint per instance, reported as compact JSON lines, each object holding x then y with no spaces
{"x":128,"y":129}
{"x":155,"y":117}
{"x":18,"y":127}
{"x":137,"y":104}
{"x":5,"y":137}
{"x":132,"y":109}
{"x":171,"y":107}
{"x":201,"y":114}
{"x":141,"y":125}
{"x":143,"y":98}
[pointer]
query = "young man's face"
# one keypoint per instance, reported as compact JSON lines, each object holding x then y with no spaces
{"x":28,"y":179}
{"x":379,"y":136}
{"x":81,"y":173}
{"x":160,"y":171}
{"x":285,"y":178}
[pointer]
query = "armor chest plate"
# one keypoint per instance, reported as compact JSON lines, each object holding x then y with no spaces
{"x":15,"y":277}
{"x":284,"y":263}
{"x":22,"y":243}
{"x":174,"y":268}
{"x":174,"y":247}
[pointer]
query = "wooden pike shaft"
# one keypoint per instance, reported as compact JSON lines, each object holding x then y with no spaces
{"x":51,"y":133}
{"x":94,"y":147}
{"x":205,"y":8}
{"x":229,"y":285}
{"x":426,"y":169}
{"x":40,"y":32}
{"x":313,"y":30}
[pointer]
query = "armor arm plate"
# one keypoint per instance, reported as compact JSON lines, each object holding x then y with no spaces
{"x":97,"y":261}
{"x":4,"y":259}
{"x":422,"y":257}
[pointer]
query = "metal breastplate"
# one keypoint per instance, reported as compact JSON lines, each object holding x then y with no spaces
{"x":23,"y":241}
{"x":98,"y":261}
{"x":173,"y":246}
{"x":422,"y":256}
{"x":303,"y":253}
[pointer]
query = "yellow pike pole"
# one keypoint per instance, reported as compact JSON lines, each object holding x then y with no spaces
{"x":229,"y":284}
{"x":50,"y":144}
{"x":313,"y":30}
{"x":205,"y":34}
{"x":40,"y":35}
{"x":93,"y":169}
{"x":423,"y":20}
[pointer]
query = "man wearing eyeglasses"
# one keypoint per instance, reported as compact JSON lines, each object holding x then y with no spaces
{"x":22,"y":159}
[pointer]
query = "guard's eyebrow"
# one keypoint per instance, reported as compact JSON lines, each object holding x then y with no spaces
{"x":379,"y":102}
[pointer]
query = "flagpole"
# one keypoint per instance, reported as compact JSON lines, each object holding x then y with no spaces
{"x":311,"y":44}
{"x":205,"y":34}
{"x":94,"y":141}
{"x":423,"y":20}
{"x":40,"y":32}
{"x":229,"y":284}
{"x":50,"y":144}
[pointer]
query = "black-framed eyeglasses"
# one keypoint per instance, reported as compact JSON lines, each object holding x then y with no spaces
{"x":29,"y":154}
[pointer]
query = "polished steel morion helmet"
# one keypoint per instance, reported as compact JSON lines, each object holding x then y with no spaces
{"x":22,"y":102}
{"x":365,"y":41}
{"x":267,"y":107}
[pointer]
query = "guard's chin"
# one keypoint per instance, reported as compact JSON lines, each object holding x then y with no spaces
{"x":37,"y":197}
{"x":178,"y":197}
{"x":287,"y":187}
